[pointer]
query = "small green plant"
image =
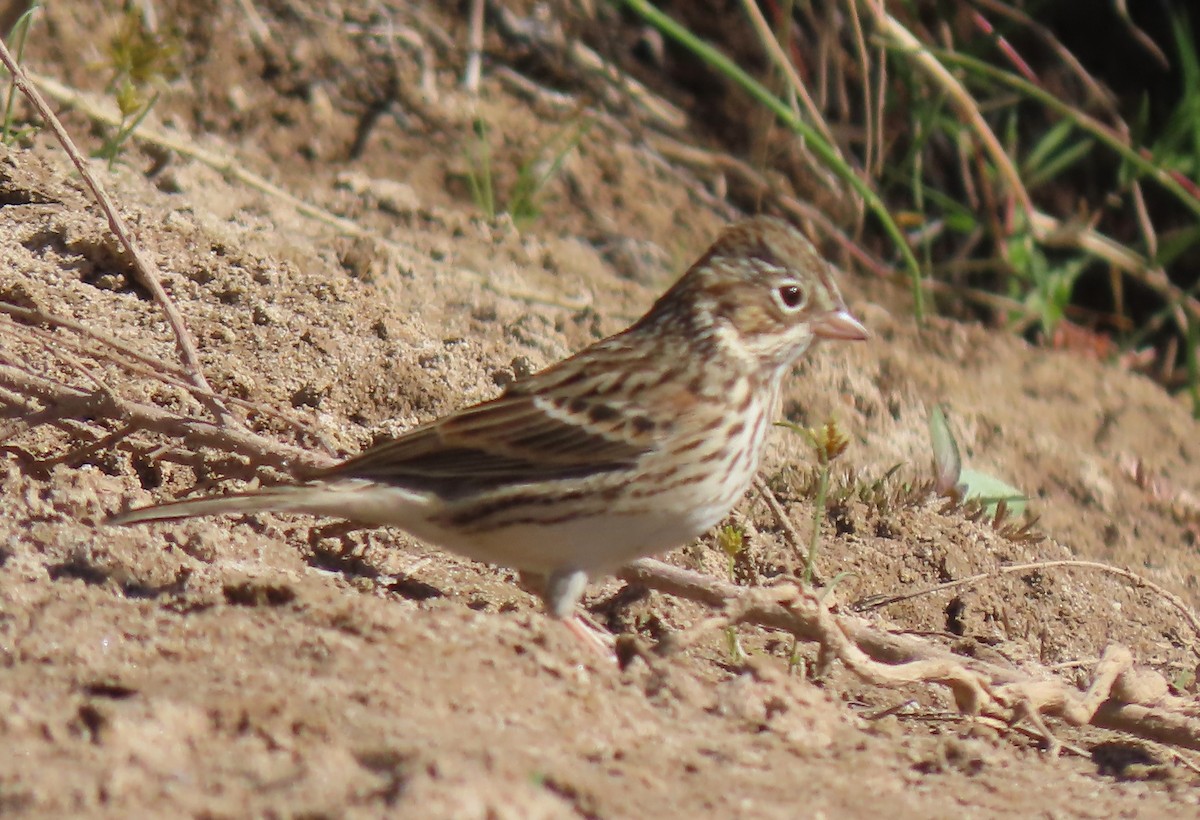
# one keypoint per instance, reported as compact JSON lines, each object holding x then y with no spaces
{"x":523,"y":201}
{"x":535,"y":174}
{"x":732,"y":540}
{"x":828,"y":442}
{"x":1045,"y":287}
{"x":1177,"y":146}
{"x":140,"y":61}
{"x":479,"y":169}
{"x":951,"y":479}
{"x":18,"y":36}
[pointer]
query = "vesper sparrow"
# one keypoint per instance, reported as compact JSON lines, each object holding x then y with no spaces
{"x":635,"y":445}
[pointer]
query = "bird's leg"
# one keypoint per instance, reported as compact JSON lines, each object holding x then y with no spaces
{"x":594,"y":637}
{"x":561,"y":591}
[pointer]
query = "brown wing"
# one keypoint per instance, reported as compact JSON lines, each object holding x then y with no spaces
{"x":514,"y":439}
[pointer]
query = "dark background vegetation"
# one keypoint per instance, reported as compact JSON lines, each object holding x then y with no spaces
{"x":1137,"y":75}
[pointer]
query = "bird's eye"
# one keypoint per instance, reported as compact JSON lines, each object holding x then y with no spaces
{"x":791,"y":297}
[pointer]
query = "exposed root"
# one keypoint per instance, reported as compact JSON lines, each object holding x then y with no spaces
{"x":1121,"y":697}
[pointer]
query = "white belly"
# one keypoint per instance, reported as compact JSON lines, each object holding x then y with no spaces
{"x":593,"y":533}
{"x":593,"y":544}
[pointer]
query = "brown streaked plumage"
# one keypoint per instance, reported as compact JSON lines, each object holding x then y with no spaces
{"x":636,"y":444}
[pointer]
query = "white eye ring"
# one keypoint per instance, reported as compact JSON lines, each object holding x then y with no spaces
{"x":791,"y":296}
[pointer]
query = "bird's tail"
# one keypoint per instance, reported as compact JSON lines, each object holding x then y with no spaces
{"x":277,"y":499}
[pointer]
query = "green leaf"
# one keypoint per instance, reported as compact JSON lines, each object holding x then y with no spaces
{"x":947,"y":463}
{"x":991,"y":491}
{"x":951,"y":477}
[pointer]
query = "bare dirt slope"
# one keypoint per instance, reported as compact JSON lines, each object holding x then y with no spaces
{"x":275,"y":665}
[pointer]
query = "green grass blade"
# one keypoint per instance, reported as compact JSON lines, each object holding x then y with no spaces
{"x":1097,"y":129}
{"x":812,"y":139}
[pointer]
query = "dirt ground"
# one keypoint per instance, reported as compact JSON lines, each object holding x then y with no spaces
{"x":275,"y":666}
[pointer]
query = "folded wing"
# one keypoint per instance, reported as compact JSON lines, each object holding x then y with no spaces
{"x":514,"y":439}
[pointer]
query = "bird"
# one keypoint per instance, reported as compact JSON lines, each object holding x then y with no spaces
{"x":637,"y":444}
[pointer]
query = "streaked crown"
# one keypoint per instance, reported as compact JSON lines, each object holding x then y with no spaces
{"x":760,"y":292}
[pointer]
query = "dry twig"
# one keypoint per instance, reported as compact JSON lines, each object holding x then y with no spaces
{"x":781,"y":517}
{"x":146,"y":270}
{"x":474,"y":48}
{"x":61,"y":401}
{"x":1177,"y":603}
{"x":114,"y":351}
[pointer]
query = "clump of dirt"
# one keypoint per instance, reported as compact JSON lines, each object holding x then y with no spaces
{"x":280,"y":664}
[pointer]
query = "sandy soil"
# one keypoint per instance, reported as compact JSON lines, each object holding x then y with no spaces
{"x":276,"y":666}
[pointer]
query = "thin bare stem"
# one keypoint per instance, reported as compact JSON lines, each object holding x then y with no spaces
{"x":767,"y":37}
{"x":1171,"y":598}
{"x":146,"y":270}
{"x":781,"y":517}
{"x":966,"y":105}
{"x":474,"y":67}
{"x":65,"y":400}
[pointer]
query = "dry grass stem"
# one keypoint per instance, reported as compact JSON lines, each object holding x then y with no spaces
{"x":63,"y":402}
{"x":1173,"y":600}
{"x":145,"y":269}
{"x":474,"y":66}
{"x":781,"y":518}
{"x":784,"y":66}
{"x":962,"y":100}
{"x":128,"y":359}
